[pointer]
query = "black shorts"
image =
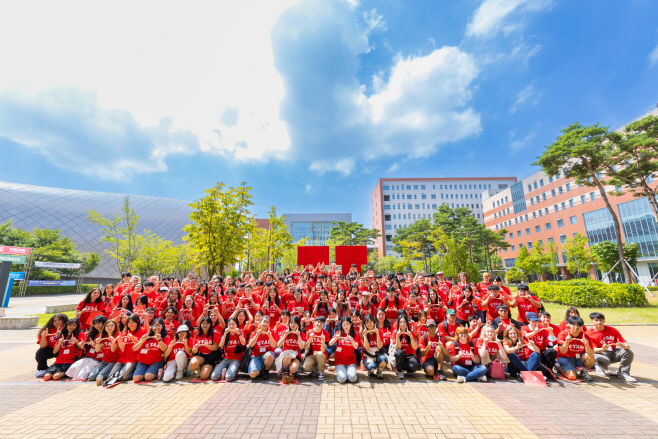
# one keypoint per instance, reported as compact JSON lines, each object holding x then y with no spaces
{"x":212,"y":358}
{"x":58,"y":368}
{"x":431,"y":362}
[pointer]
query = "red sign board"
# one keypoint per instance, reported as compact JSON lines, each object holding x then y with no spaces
{"x":312,"y":254}
{"x":7,"y":250}
{"x":346,"y":255}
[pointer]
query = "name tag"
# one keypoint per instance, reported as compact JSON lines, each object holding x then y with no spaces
{"x":99,"y":356}
{"x":91,"y":351}
{"x":610,"y":348}
{"x":263,"y":349}
{"x":339,"y":349}
{"x":317,"y":353}
{"x":577,"y":356}
{"x":143,"y":351}
{"x":66,"y":351}
{"x":468,"y":362}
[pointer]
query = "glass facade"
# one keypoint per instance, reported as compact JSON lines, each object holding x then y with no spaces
{"x":317,"y":232}
{"x":639,"y":226}
{"x":599,"y":226}
{"x":518,"y":198}
{"x":32,"y":207}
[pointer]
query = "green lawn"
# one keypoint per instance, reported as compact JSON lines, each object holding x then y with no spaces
{"x":647,"y":314}
{"x":43,"y":318}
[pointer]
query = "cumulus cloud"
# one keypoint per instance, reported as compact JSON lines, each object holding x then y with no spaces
{"x":72,"y":131}
{"x":394,"y":167}
{"x":421,"y":105}
{"x":527,"y":96}
{"x":493,"y":16}
{"x":653,"y":57}
{"x":522,"y":143}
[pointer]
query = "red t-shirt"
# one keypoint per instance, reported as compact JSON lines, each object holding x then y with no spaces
{"x":128,"y":355}
{"x":316,"y":343}
{"x":455,"y":294}
{"x":244,"y":302}
{"x":370,"y":308}
{"x":436,"y":312}
{"x":298,"y":308}
{"x":172,"y":326}
{"x":67,"y":353}
{"x":230,"y":344}
{"x":150,"y":352}
{"x":405,"y":343}
{"x":413,"y":310}
{"x":443,"y":290}
{"x":204,"y":341}
{"x":450,"y":332}
{"x":492,"y":346}
{"x":344,"y":355}
{"x":88,"y":308}
{"x":385,"y":335}
{"x":108,"y":355}
{"x":191,"y":314}
{"x":465,"y":311}
{"x":492,"y":308}
{"x":353,"y":301}
{"x":464,"y":354}
{"x":609,"y":336}
{"x":228,"y":308}
{"x":481,"y":291}
{"x":272,"y":311}
{"x":521,"y":353}
{"x":292,"y":343}
{"x":433,"y":342}
{"x":504,"y":324}
{"x":52,"y":338}
{"x":525,"y":307}
{"x":576,"y":347}
{"x":179,"y":346}
{"x":391,"y":308}
{"x":262,"y":345}
{"x":540,"y":338}
{"x":419,"y":329}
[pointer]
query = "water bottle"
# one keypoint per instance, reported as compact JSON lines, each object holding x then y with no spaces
{"x":160,"y":373}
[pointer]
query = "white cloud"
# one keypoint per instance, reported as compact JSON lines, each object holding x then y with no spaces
{"x":653,"y":57}
{"x":492,"y":16}
{"x":394,"y":167}
{"x":188,"y":62}
{"x":374,"y":20}
{"x":527,"y":96}
{"x":309,"y":188}
{"x":344,"y":166}
{"x":519,"y":144}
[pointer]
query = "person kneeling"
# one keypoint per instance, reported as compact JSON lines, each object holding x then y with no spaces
{"x":465,"y":361}
{"x":574,"y":350}
{"x":405,"y":353}
{"x":345,"y":357}
{"x":291,"y":343}
{"x":433,"y":352}
{"x":262,"y":354}
{"x":610,"y":347}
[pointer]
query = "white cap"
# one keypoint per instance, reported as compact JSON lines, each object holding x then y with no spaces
{"x":182,"y":328}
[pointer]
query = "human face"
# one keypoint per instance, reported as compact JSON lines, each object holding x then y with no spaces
{"x":452,"y":318}
{"x":169,"y":315}
{"x":205,"y":326}
{"x":189,"y":301}
{"x":431,"y":330}
{"x":489,"y":334}
{"x":346,"y":326}
{"x":462,"y":277}
{"x":575,"y":330}
{"x":124,"y":301}
{"x":370,"y":324}
{"x":403,"y":325}
{"x":57,"y":322}
{"x":98,"y":326}
{"x":132,"y":325}
{"x":598,"y":324}
{"x":463,"y":338}
{"x":110,"y":327}
{"x":473,"y":324}
{"x":157,"y":328}
{"x":232,"y":326}
{"x":318,"y":326}
{"x":294,"y":326}
{"x":264,"y":324}
{"x":503,"y":313}
{"x":109,"y":289}
{"x":513,"y":336}
{"x":545,"y":320}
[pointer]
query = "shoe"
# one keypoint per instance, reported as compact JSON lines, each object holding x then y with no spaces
{"x":160,"y":373}
{"x":627,"y":377}
{"x":483,"y":378}
{"x":321,"y":376}
{"x":461,"y":379}
{"x":265,"y":374}
{"x":223,"y":375}
{"x":188,"y":372}
{"x":519,"y":377}
{"x":40,"y":373}
{"x":371,"y":374}
{"x":442,"y":376}
{"x":600,"y":371}
{"x":179,"y":375}
{"x":380,"y":374}
{"x":401,"y":376}
{"x":436,"y":376}
{"x":585,"y":374}
{"x":314,"y":373}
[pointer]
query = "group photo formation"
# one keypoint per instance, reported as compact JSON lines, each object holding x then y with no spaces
{"x":300,"y":324}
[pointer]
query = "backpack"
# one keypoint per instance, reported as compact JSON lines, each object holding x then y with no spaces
{"x":397,"y":302}
{"x":496,"y":370}
{"x":456,"y":345}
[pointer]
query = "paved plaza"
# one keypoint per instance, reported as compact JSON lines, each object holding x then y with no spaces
{"x":418,"y":408}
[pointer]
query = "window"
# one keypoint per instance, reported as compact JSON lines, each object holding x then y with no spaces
{"x":462,"y":196}
{"x":556,"y":208}
{"x":534,"y":214}
{"x":460,"y":186}
{"x":516,"y":220}
{"x":518,"y":233}
{"x":389,"y":247}
{"x":534,"y":183}
{"x":559,"y":190}
{"x":450,"y":186}
{"x":387,"y":198}
{"x":415,"y":187}
{"x":529,"y":187}
{"x":560,"y":223}
{"x":563,"y":239}
{"x":415,"y":216}
{"x":408,"y":187}
{"x":583,"y":199}
{"x":385,"y":188}
{"x":387,"y":206}
{"x":433,"y":206}
{"x":543,"y":196}
{"x":478,"y":215}
{"x":540,"y":213}
{"x":532,"y":201}
{"x":541,"y":182}
{"x":592,"y":196}
{"x":433,"y":186}
{"x":520,"y":246}
{"x":564,"y":205}
{"x":573,"y":219}
{"x":423,"y":197}
{"x":552,"y":192}
{"x":537,"y":229}
{"x":415,"y":197}
{"x":387,"y":217}
{"x":650,"y":178}
{"x":489,"y":186}
{"x":547,"y":226}
{"x":388,"y":237}
{"x":511,"y":235}
{"x":546,"y":210}
{"x":442,"y":196}
{"x":422,"y":186}
{"x":417,"y":206}
{"x":550,"y":240}
{"x":513,"y":247}
{"x":387,"y":227}
{"x":568,"y":187}
{"x":433,"y":196}
{"x":408,"y":197}
{"x":529,"y":244}
{"x":480,"y":186}
{"x":570,"y":202}
{"x":537,"y":198}
{"x":541,"y":242}
{"x":527,"y":230}
{"x":526,"y":217}
{"x":564,"y":258}
{"x":550,"y":179}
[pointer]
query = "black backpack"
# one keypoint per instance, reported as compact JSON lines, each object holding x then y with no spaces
{"x":456,"y":345}
{"x":397,"y":302}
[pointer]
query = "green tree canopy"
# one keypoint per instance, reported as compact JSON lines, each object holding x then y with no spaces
{"x":606,"y":255}
{"x":344,"y":233}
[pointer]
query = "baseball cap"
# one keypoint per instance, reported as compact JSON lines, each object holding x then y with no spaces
{"x":182,"y":328}
{"x":532,"y":317}
{"x":439,"y":272}
{"x":450,"y":312}
{"x":430,"y":322}
{"x":164,"y":288}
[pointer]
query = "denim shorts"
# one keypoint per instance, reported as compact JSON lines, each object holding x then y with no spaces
{"x":142,"y":369}
{"x":256,"y":363}
{"x":570,"y":363}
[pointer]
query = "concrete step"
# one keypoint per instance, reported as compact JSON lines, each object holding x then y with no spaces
{"x":53,"y":309}
{"x":18,"y":322}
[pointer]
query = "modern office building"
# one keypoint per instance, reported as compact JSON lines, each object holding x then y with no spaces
{"x":554,"y":208}
{"x":397,"y":202}
{"x":314,"y":226}
{"x":32,"y":207}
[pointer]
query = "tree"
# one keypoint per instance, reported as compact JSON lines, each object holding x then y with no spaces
{"x":578,"y":256}
{"x":515,"y":275}
{"x":607,"y":257}
{"x":456,"y":257}
{"x":219,"y":222}
{"x":344,"y":233}
{"x":278,"y":238}
{"x":634,"y":160}
{"x":254,"y":257}
{"x":524,"y":262}
{"x":386,"y":264}
{"x":415,"y":242}
{"x":289,"y":258}
{"x":120,"y":232}
{"x":492,"y":242}
{"x":583,"y":151}
{"x":155,"y":256}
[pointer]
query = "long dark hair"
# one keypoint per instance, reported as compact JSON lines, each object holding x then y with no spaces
{"x":87,"y":298}
{"x":129,"y":307}
{"x":76,"y":331}
{"x":347,"y":319}
{"x":406,"y":320}
{"x":295,"y":319}
{"x":211,"y":330}
{"x":134,"y":318}
{"x":387,"y":324}
{"x":50,"y":324}
{"x":163,"y":331}
{"x":93,"y":332}
{"x":277,"y":299}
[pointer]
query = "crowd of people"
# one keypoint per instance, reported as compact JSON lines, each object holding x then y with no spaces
{"x":315,"y":319}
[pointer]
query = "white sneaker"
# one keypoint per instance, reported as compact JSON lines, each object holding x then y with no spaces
{"x":600,"y":371}
{"x":461,"y":379}
{"x":482,"y":378}
{"x":179,"y":375}
{"x":627,"y":377}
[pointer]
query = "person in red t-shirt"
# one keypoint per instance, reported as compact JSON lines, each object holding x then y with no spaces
{"x":464,"y":305}
{"x":465,"y":359}
{"x":413,"y":305}
{"x":48,"y":336}
{"x":391,"y":304}
{"x":345,"y":357}
{"x":272,"y":305}
{"x":151,"y":347}
{"x":316,"y":347}
{"x":234,"y":344}
{"x":571,"y":311}
{"x":523,"y":353}
{"x":435,"y":306}
{"x":610,"y":347}
{"x":90,"y":357}
{"x":92,"y":304}
{"x":263,"y":344}
{"x":190,"y":311}
{"x":132,"y":332}
{"x":525,"y":302}
{"x":492,"y":301}
{"x":178,"y":354}
{"x":474,"y":326}
{"x":432,"y":352}
{"x":322,"y":305}
{"x":490,"y":347}
{"x":372,"y":345}
{"x":406,"y":345}
{"x":574,"y":350}
{"x":66,"y":350}
{"x":291,"y":343}
{"x":106,"y":344}
{"x":205,"y":349}
{"x":448,"y":327}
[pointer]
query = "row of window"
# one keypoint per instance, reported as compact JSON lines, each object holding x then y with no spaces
{"x":550,"y":180}
{"x":434,"y":206}
{"x":432,"y":196}
{"x":541,"y":212}
{"x":563,"y":240}
{"x":387,"y":187}
{"x":548,"y":226}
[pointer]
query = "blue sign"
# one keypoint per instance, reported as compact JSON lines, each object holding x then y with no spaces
{"x":13,"y":276}
{"x":50,"y":283}
{"x":17,"y":275}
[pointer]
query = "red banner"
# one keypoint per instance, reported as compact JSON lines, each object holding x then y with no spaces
{"x":8,"y":250}
{"x":346,"y":255}
{"x":312,"y":254}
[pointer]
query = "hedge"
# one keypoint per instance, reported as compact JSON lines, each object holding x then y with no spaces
{"x":44,"y":291}
{"x":590,"y":293}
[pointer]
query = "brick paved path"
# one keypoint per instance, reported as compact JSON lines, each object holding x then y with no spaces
{"x":416,"y":408}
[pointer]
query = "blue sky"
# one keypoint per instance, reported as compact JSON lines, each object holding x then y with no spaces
{"x":309,"y":101}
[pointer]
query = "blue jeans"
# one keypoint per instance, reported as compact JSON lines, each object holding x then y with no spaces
{"x":231,"y":366}
{"x":256,"y":363}
{"x":471,"y":373}
{"x":570,"y":363}
{"x":103,"y":369}
{"x":516,"y":365}
{"x":331,"y":350}
{"x":372,"y":363}
{"x":142,"y":369}
{"x":344,"y":373}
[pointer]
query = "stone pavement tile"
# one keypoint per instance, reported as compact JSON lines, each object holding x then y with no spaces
{"x":18,"y":396}
{"x":18,"y":360}
{"x":9,"y":346}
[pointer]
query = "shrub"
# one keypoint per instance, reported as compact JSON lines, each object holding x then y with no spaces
{"x":590,"y":293}
{"x":45,"y":291}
